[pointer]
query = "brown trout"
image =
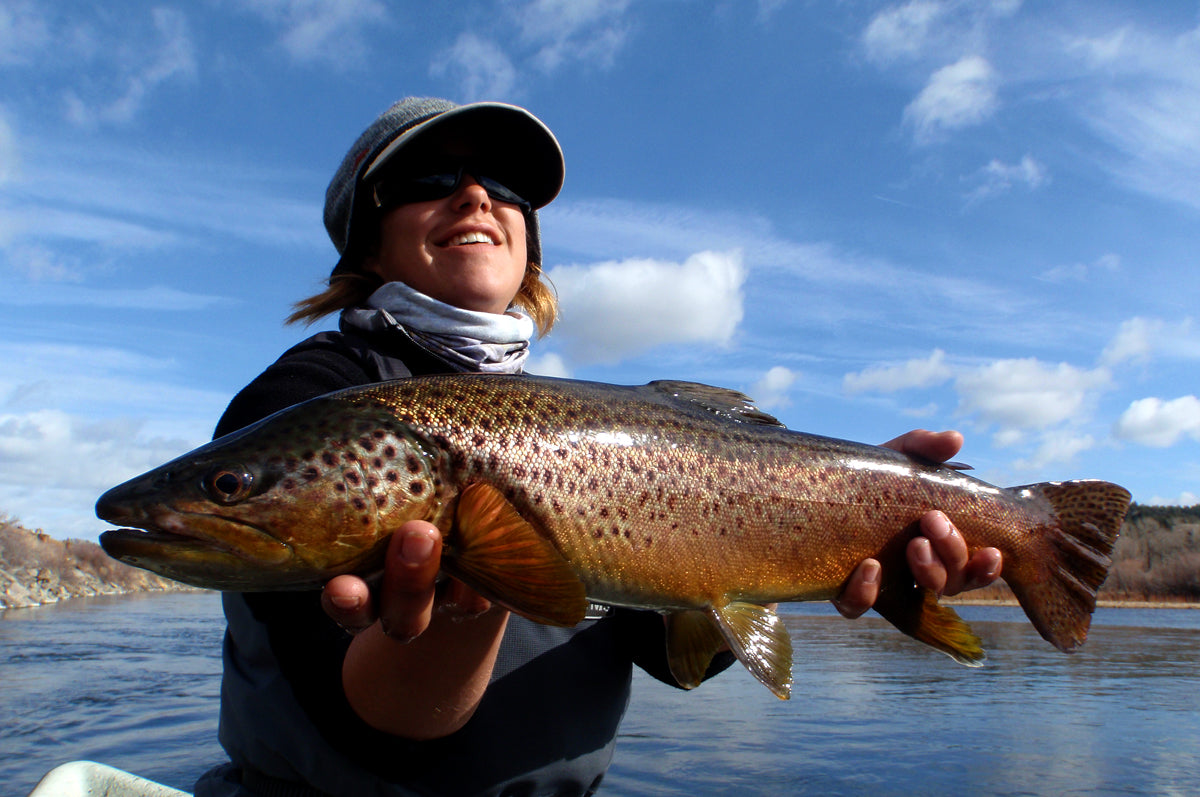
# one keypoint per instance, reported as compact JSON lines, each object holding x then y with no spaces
{"x":551,"y":493}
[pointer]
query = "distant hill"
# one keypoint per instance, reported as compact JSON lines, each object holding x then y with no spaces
{"x":36,"y":569}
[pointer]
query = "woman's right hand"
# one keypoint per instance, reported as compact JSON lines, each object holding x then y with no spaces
{"x":409,"y":593}
{"x":423,"y":652}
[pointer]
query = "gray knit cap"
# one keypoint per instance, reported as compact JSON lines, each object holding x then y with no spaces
{"x":514,"y":146}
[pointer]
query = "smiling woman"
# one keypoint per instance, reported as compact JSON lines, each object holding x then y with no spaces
{"x":415,"y":683}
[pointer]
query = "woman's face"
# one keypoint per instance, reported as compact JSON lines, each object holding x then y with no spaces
{"x":467,"y":250}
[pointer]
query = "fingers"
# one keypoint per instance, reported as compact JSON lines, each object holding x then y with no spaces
{"x":931,"y":446}
{"x":860,"y":591}
{"x":410,"y":572}
{"x":940,"y":561}
{"x":347,"y":600}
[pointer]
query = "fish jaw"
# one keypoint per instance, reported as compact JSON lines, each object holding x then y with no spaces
{"x":282,"y":505}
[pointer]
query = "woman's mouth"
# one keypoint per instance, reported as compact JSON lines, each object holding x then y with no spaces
{"x":465,"y":238}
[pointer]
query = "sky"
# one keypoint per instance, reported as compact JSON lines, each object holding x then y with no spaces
{"x":870,"y":216}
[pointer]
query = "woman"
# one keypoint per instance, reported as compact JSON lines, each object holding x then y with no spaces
{"x":416,"y":687}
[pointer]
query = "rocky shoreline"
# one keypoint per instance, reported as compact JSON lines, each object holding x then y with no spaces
{"x":36,"y":570}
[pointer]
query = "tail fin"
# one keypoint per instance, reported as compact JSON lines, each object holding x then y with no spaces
{"x":1057,"y":588}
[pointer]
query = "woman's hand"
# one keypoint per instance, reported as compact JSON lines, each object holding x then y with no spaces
{"x":423,"y":652}
{"x":938,"y":558}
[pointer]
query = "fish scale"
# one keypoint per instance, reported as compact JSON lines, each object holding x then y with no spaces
{"x":677,"y":497}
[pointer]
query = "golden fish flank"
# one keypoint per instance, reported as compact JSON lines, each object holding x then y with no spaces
{"x":672,"y":496}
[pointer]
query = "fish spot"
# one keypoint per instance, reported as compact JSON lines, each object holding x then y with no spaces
{"x":311,"y":474}
{"x":359,"y":503}
{"x":412,"y":464}
{"x":389,"y":451}
{"x":329,"y":458}
{"x":416,"y":488}
{"x":381,"y":500}
{"x":392,"y":476}
{"x":353,"y":478}
{"x":339,"y":487}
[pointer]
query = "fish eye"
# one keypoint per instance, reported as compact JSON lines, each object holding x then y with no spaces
{"x":228,"y":485}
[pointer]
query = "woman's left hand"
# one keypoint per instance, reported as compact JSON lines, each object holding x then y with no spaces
{"x":938,"y":558}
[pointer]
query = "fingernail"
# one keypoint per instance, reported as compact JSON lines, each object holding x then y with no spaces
{"x":939,"y":527}
{"x":924,"y":552}
{"x":346,"y":602}
{"x":415,"y":549}
{"x":870,"y":573}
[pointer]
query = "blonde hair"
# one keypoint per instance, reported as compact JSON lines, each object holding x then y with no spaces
{"x":351,"y":289}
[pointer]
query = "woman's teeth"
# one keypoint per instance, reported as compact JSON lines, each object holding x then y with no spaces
{"x":470,"y":238}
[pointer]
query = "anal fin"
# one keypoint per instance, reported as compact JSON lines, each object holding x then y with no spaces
{"x":760,"y":641}
{"x":916,"y":612}
{"x":496,"y":552}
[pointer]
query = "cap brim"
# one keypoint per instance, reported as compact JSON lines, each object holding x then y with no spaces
{"x":511,"y":144}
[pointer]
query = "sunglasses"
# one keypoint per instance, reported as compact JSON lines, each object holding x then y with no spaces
{"x":390,"y":192}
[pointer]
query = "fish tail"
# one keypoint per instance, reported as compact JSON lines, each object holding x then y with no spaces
{"x":1057,"y":585}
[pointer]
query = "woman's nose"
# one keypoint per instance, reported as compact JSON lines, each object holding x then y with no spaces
{"x":471,"y":194}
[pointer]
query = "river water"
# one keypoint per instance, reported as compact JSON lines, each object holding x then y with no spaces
{"x":134,"y":682}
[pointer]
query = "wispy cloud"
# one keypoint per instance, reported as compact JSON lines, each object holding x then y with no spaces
{"x":168,"y":55}
{"x":563,"y":31}
{"x":332,"y":32}
{"x":1140,"y":340}
{"x":902,"y":31}
{"x":24,"y":32}
{"x":480,"y":67}
{"x":960,"y":95}
{"x":915,"y":373}
{"x":1108,"y":263}
{"x":998,"y":178}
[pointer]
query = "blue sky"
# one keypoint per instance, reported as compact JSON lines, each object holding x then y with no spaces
{"x":872,"y":216}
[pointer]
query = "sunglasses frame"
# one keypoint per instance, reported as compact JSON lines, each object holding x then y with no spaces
{"x":429,"y":187}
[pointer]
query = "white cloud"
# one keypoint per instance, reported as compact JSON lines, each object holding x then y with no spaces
{"x":548,"y":364}
{"x":915,"y":373}
{"x":325,"y":31}
{"x":1028,"y":394}
{"x":590,"y":31}
{"x":1160,"y":424}
{"x":901,"y":31}
{"x":960,"y":95}
{"x":772,"y":390}
{"x":998,"y":177}
{"x":480,"y":67}
{"x":171,"y":57}
{"x":615,"y":309}
{"x":1060,"y":445}
{"x":54,"y":465}
{"x":1141,"y":339}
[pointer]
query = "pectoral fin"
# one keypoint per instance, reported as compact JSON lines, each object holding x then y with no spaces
{"x":692,"y":641}
{"x":760,"y":641}
{"x":495,"y":551}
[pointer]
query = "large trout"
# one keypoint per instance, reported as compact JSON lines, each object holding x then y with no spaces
{"x":552,"y":493}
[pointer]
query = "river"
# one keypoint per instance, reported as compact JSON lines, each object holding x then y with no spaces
{"x":134,"y":682}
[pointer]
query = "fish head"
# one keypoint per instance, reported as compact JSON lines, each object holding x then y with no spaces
{"x":287,"y":503}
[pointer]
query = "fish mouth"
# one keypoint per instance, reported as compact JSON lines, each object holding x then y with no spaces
{"x":153,"y":542}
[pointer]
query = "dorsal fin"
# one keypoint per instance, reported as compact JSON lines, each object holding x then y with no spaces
{"x":718,"y":400}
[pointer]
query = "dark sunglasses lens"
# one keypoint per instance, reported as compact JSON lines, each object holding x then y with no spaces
{"x":438,"y":186}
